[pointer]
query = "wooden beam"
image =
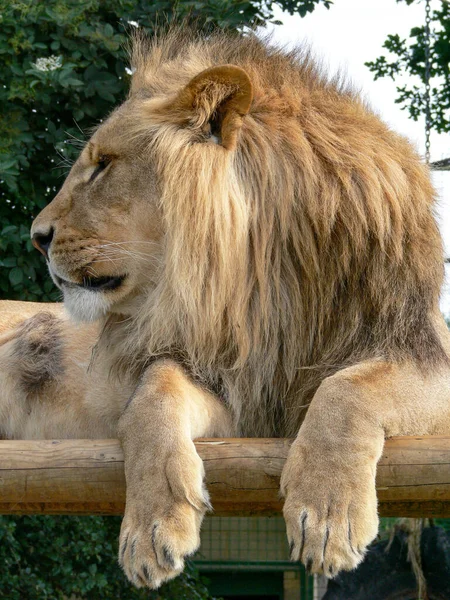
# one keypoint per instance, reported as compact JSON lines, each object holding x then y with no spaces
{"x":242,"y":475}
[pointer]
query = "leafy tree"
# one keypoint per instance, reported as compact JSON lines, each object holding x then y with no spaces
{"x":57,"y":558}
{"x":63,"y":68}
{"x":408,"y":56}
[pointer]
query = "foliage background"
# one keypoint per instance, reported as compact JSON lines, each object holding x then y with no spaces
{"x":56,"y":558}
{"x":407,"y":56}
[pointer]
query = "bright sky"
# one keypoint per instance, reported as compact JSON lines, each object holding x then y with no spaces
{"x":351,"y":33}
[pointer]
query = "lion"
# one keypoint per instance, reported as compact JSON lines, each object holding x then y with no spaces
{"x":259,"y":252}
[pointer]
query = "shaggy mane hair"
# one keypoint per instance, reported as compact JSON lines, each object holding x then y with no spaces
{"x":309,"y":247}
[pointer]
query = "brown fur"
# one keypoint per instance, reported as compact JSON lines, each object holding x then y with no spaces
{"x":320,"y":249}
{"x":269,"y":239}
{"x":38,"y":349}
{"x":47,"y":389}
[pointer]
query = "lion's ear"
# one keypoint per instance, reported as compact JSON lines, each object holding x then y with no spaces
{"x":218,"y":98}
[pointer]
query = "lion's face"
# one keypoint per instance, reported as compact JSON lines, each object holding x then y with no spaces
{"x":102,"y":233}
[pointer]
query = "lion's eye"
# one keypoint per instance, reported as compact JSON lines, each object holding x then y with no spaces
{"x":102,"y":162}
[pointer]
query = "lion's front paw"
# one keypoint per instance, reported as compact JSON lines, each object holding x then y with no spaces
{"x":161,"y":526}
{"x":330,"y":509}
{"x":153,"y":549}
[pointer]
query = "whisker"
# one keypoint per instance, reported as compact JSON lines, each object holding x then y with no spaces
{"x":91,"y":270}
{"x":110,"y":243}
{"x":118,"y":251}
{"x":119,"y":254}
{"x":79,"y":129}
{"x":123,"y":253}
{"x":75,"y":139}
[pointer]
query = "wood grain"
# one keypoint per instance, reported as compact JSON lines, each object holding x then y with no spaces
{"x":242,"y":475}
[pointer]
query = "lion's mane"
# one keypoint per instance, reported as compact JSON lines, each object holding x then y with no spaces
{"x":309,"y":247}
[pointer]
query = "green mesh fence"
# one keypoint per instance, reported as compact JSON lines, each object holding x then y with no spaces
{"x":239,"y":553}
{"x":255,"y":545}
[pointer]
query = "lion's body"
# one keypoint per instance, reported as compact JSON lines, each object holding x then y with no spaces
{"x":49,"y":386}
{"x":254,"y":240}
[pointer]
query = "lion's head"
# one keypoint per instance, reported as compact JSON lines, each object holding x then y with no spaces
{"x":106,"y":234}
{"x":251,"y":214}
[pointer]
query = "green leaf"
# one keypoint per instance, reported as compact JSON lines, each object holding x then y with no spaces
{"x":109,"y":31}
{"x":8,"y":230}
{"x":7,"y":165}
{"x":9,"y":261}
{"x":16,"y":276}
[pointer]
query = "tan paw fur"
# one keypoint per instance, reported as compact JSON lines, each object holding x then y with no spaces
{"x":164,"y":510}
{"x":330,"y":509}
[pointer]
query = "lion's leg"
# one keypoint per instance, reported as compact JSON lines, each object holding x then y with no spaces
{"x":166,"y":499}
{"x":329,"y":477}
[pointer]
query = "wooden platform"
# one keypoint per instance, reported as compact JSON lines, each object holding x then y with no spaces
{"x":86,"y":477}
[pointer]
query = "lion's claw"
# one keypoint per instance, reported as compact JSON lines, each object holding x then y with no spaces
{"x":157,"y":552}
{"x":321,"y":544}
{"x":161,"y":526}
{"x":329,"y":526}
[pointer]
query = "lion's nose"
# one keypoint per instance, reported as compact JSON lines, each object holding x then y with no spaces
{"x":42,"y":240}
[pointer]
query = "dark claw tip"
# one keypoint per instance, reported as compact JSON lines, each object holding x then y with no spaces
{"x":291,"y":550}
{"x":168,"y":557}
{"x":146,"y":573}
{"x":124,"y":547}
{"x":330,"y":570}
{"x":154,"y":528}
{"x":309,"y":564}
{"x":133,"y":547}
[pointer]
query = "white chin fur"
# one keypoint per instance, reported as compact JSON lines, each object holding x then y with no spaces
{"x":85,"y":305}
